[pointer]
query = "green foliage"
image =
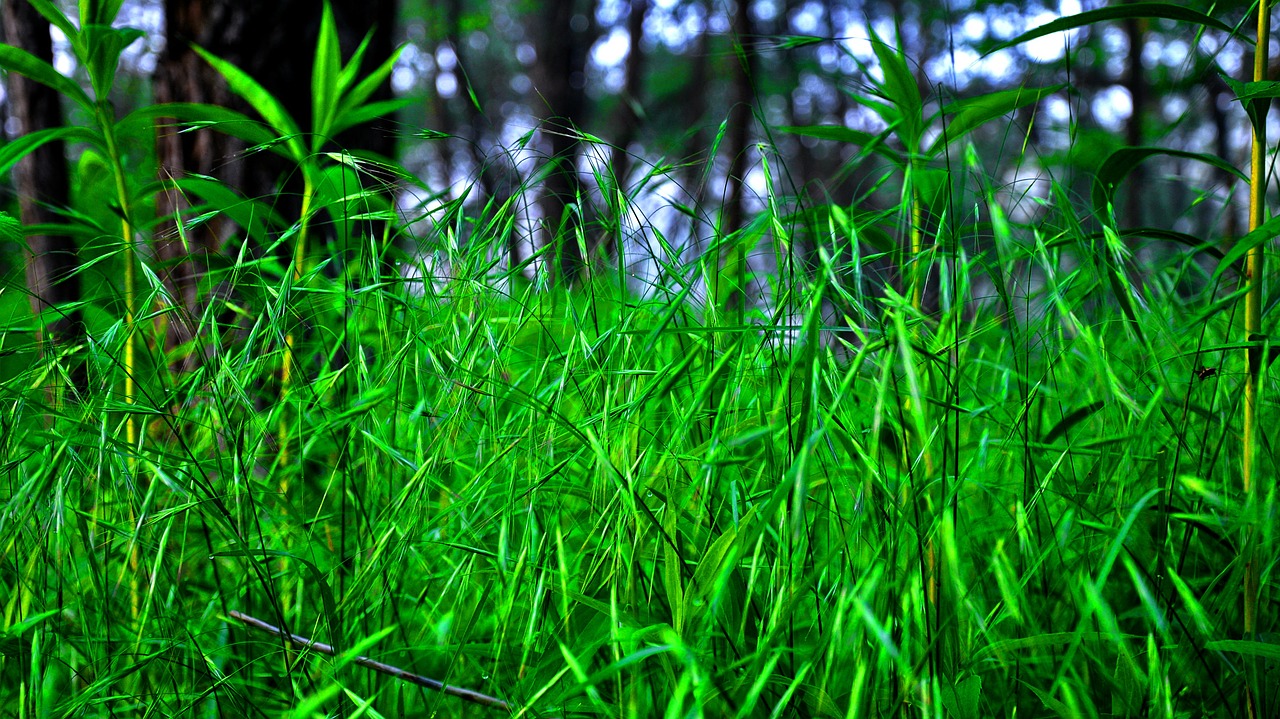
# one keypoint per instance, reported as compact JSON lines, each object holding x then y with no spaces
{"x":598,"y":502}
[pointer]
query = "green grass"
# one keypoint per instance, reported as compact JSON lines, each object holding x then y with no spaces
{"x":676,"y":503}
{"x":594,"y":503}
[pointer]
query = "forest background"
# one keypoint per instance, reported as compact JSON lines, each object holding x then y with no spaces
{"x":633,"y":358}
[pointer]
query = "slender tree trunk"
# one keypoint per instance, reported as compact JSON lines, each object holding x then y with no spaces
{"x":626,"y":120}
{"x":1222,"y":147}
{"x":626,"y":125}
{"x":1135,"y":82}
{"x":563,"y":44}
{"x":733,"y":266}
{"x":695,"y":116}
{"x":740,"y":116}
{"x":444,"y":118}
{"x":274,"y":43}
{"x":41,"y":181}
{"x":182,"y":76}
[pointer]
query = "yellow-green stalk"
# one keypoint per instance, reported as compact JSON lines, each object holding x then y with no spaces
{"x":106,"y":120}
{"x":286,"y":366}
{"x":1252,"y":327}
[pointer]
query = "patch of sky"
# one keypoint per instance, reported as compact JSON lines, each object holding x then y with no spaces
{"x":764,"y":10}
{"x":807,"y":18}
{"x":526,"y":54}
{"x":446,"y":85}
{"x":1112,"y":106}
{"x":612,"y":49}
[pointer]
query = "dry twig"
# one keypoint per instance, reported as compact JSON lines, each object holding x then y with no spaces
{"x":377,"y":666}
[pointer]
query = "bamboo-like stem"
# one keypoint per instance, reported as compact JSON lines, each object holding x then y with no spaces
{"x":286,"y":366}
{"x":932,"y":570}
{"x":1253,"y":355}
{"x":106,"y":121}
{"x":462,"y":693}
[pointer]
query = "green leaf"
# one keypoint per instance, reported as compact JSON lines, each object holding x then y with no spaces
{"x":99,"y":12}
{"x":962,"y":700}
{"x":672,"y":566}
{"x":971,"y":113}
{"x":900,"y":88}
{"x":790,"y":42}
{"x":324,"y":78}
{"x":13,"y":151}
{"x":1265,"y":650}
{"x":428,"y":134}
{"x":1120,"y":163}
{"x":103,"y":45}
{"x":1071,"y":420}
{"x":58,"y":19}
{"x":704,"y":577}
{"x":1149,"y":10}
{"x":372,"y":111}
{"x":10,"y":228}
{"x":1121,"y":287}
{"x":1258,"y":237}
{"x":260,"y":100}
{"x":1250,"y":93}
{"x":366,"y":87}
{"x":30,"y":66}
{"x":371,"y":164}
{"x":255,"y":216}
{"x":868,"y":142}
{"x":1252,"y":90}
{"x":352,"y":68}
{"x":196,"y":116}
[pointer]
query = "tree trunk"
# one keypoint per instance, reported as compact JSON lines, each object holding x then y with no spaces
{"x":274,"y":42}
{"x":695,"y":116}
{"x":41,"y":180}
{"x":1135,"y":82}
{"x":627,"y":123}
{"x":563,"y":43}
{"x":734,"y":214}
{"x":627,"y":116}
{"x":740,"y":116}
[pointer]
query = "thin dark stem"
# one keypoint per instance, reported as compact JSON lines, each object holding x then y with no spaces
{"x":377,"y":666}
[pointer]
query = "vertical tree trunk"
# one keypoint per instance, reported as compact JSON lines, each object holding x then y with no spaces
{"x":443,"y":116}
{"x":274,"y":42}
{"x":740,"y":116}
{"x":1135,"y":82}
{"x":563,"y":43}
{"x":627,"y":117}
{"x":41,"y":181}
{"x":627,"y":120}
{"x":182,"y":76}
{"x":733,"y":266}
{"x":695,"y":114}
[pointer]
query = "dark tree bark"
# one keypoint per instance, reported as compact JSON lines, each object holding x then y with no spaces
{"x":695,"y":115}
{"x":626,"y":120}
{"x":274,"y":42}
{"x":41,"y":181}
{"x":1136,"y":83}
{"x":444,"y":119}
{"x":740,"y":116}
{"x":564,"y":39}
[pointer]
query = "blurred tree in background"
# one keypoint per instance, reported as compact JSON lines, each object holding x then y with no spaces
{"x":570,"y":103}
{"x":41,"y":184}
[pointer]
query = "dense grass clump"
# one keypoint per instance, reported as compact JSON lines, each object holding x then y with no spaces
{"x":594,"y":502}
{"x":828,"y":497}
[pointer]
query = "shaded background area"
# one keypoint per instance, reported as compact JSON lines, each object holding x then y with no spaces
{"x":698,"y":88}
